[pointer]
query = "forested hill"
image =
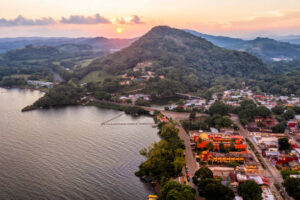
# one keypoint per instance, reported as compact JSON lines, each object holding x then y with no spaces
{"x":170,"y":47}
{"x":269,"y":50}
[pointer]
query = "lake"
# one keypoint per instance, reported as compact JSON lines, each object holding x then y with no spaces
{"x":66,"y":153}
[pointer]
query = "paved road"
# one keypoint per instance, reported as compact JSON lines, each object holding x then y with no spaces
{"x":273,"y":174}
{"x":189,"y":157}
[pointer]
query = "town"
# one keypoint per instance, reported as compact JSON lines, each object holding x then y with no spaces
{"x":238,"y":135}
{"x":262,"y":148}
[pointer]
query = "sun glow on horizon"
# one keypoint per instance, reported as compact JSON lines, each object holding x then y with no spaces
{"x":119,"y":30}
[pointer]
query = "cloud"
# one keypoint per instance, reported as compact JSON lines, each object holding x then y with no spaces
{"x":79,"y":19}
{"x":270,"y":20}
{"x":72,"y":19}
{"x":261,"y":21}
{"x":265,"y":14}
{"x":132,"y":20}
{"x":22,"y":21}
{"x":135,"y":20}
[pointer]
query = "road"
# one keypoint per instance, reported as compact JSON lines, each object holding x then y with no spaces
{"x":189,"y":156}
{"x":57,"y":78}
{"x":272,"y":174}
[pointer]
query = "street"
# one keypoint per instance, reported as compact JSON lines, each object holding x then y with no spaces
{"x":273,"y":174}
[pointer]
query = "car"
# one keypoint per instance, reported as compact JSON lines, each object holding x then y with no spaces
{"x":188,"y":179}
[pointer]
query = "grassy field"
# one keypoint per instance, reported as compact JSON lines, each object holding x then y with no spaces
{"x":96,"y":76}
{"x":85,"y":63}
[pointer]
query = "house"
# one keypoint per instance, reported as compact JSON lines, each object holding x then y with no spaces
{"x":292,"y":124}
{"x":297,"y":118}
{"x":161,"y":118}
{"x":142,"y":66}
{"x":284,"y":159}
{"x":124,"y":99}
{"x":39,"y":84}
{"x":260,"y":180}
{"x":215,"y":157}
{"x":216,"y":139}
{"x":295,"y":176}
{"x":251,"y":167}
{"x":125,"y":82}
{"x":267,"y":142}
{"x":268,"y":122}
{"x":294,"y":165}
{"x":267,"y":194}
{"x":233,"y":180}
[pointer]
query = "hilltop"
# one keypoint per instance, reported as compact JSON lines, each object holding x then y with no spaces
{"x":187,"y":62}
{"x":170,"y":47}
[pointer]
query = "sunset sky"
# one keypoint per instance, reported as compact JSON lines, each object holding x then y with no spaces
{"x":132,"y":18}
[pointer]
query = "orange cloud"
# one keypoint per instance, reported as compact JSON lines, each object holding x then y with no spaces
{"x":267,"y":21}
{"x":132,"y":20}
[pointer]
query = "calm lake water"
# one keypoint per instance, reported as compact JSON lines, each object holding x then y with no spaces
{"x":67,"y":154}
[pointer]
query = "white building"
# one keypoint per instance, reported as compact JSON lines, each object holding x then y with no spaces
{"x":39,"y":84}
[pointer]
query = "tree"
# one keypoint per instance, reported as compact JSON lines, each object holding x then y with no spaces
{"x":218,"y":108}
{"x":142,"y":102}
{"x":286,"y":173}
{"x":200,"y":140}
{"x":173,"y":190}
{"x":201,"y":174}
{"x":284,"y":144}
{"x":296,"y":109}
{"x":168,"y":131}
{"x":164,"y":158}
{"x":289,"y":114}
{"x":222,"y":147}
{"x":217,"y":191}
{"x":292,"y":186}
{"x":278,"y":109}
{"x":278,"y":128}
{"x":226,"y":121}
{"x":232,"y":146}
{"x":260,"y":124}
{"x":263,"y":111}
{"x":244,"y":121}
{"x":210,"y":146}
{"x":193,"y":116}
{"x":250,"y":190}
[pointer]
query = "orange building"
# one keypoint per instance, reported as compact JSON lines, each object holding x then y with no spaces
{"x":223,"y":157}
{"x":216,"y":139}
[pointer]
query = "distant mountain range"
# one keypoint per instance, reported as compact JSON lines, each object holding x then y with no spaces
{"x":284,"y":48}
{"x":99,"y":43}
{"x":293,"y":39}
{"x":264,"y":48}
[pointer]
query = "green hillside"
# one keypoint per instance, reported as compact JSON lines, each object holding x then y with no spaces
{"x":269,"y":49}
{"x":189,"y":63}
{"x":169,"y":47}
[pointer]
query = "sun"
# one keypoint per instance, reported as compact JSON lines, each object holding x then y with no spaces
{"x":119,"y":30}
